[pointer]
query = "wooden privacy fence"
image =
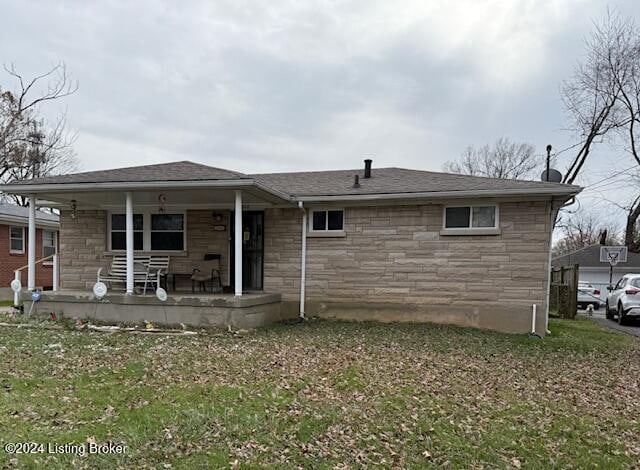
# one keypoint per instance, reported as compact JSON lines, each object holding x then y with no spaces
{"x":563,"y":294}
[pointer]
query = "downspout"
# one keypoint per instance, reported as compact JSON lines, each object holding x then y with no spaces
{"x":303,"y":258}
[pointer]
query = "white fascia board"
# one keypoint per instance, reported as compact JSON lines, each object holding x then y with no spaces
{"x":568,"y":192}
{"x":124,"y":185}
{"x":139,"y":185}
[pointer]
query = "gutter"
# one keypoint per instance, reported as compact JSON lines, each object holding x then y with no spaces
{"x":571,"y":191}
{"x":132,"y":186}
{"x":248,"y":183}
{"x":9,"y":219}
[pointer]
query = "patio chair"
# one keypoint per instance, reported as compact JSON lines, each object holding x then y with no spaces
{"x":118,"y":272}
{"x":207,"y":270}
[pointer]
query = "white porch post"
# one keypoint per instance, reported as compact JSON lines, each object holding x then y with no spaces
{"x":56,"y":273}
{"x":129,"y":242}
{"x":237,"y":240}
{"x":31,"y":259}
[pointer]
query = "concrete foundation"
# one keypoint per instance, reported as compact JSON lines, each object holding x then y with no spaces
{"x":510,"y":318}
{"x":215,"y":310}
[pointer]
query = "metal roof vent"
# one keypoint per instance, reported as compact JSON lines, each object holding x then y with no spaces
{"x":356,"y":181}
{"x":367,"y":168}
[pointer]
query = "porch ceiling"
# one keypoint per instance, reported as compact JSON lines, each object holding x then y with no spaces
{"x":186,"y":198}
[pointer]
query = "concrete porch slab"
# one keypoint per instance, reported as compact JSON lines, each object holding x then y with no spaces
{"x":200,"y":310}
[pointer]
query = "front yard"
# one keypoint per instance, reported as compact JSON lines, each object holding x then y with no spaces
{"x":325,"y":394}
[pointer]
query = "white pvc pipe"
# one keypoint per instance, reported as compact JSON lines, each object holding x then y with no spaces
{"x":533,"y":319}
{"x":129,"y":241}
{"x":237,"y":240}
{"x":56,"y":278}
{"x":31,"y":261}
{"x":16,"y":295}
{"x":303,"y":258}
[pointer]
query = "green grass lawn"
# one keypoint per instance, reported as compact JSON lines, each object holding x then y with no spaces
{"x":325,"y":394}
{"x":6,"y":303}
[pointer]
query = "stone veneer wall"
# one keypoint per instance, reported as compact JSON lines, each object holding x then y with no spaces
{"x":83,"y":245}
{"x":393,"y":264}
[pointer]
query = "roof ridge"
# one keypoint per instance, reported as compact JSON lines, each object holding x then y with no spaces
{"x":322,"y":171}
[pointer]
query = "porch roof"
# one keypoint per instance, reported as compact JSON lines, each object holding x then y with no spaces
{"x":186,"y":183}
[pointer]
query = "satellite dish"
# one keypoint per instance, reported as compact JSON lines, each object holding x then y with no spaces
{"x":161,"y":294}
{"x":554,"y":176}
{"x":99,"y":289}
{"x":16,"y":285}
{"x":36,"y":296}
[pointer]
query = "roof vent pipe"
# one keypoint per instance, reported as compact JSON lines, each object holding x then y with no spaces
{"x":367,"y":168}
{"x":356,"y":181}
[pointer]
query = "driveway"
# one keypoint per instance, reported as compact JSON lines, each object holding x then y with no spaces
{"x":598,"y":317}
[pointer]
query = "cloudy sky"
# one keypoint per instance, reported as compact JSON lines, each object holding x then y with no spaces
{"x":288,"y":85}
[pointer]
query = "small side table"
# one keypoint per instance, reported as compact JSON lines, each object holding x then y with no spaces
{"x":174,"y":276}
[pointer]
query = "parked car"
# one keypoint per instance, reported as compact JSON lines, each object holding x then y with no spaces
{"x":624,"y":299}
{"x":588,"y":295}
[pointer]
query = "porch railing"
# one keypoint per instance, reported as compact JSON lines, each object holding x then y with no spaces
{"x":18,"y":276}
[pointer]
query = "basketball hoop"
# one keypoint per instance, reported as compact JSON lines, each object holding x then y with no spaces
{"x":613,"y":254}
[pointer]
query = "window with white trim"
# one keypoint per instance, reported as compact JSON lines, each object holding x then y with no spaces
{"x":470,"y":217}
{"x":326,"y":221}
{"x":16,"y":240}
{"x":167,"y":232}
{"x":119,"y":234}
{"x":48,"y":243}
{"x":152,"y":231}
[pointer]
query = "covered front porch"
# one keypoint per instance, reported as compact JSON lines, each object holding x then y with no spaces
{"x":197,"y":226}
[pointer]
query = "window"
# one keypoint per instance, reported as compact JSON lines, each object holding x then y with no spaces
{"x":327,"y":220}
{"x":471,"y":217}
{"x":16,"y":239}
{"x":151,"y":232}
{"x":167,"y":232}
{"x":48,"y":243}
{"x":118,"y":232}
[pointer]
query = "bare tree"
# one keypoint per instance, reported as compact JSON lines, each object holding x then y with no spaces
{"x":30,"y":147}
{"x":603,"y":96}
{"x":584,"y":229}
{"x":504,"y":159}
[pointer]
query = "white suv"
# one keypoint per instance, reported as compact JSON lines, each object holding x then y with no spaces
{"x":624,"y":299}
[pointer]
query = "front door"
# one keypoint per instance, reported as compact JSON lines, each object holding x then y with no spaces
{"x":252,"y":249}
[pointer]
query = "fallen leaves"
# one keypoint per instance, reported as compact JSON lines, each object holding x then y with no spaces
{"x":340,"y":395}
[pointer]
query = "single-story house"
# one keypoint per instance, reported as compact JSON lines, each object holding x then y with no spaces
{"x":594,"y":271}
{"x":388,"y":244}
{"x":14,"y":244}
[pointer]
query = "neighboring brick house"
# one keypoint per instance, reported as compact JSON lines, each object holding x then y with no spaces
{"x":386,"y":244}
{"x":14,"y":245}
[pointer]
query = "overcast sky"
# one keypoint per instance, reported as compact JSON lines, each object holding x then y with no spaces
{"x":294,"y":85}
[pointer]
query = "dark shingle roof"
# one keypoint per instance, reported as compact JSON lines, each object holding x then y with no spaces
{"x":390,"y":180}
{"x":13,"y":211}
{"x":589,"y":256}
{"x":398,"y":181}
{"x":176,"y":171}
